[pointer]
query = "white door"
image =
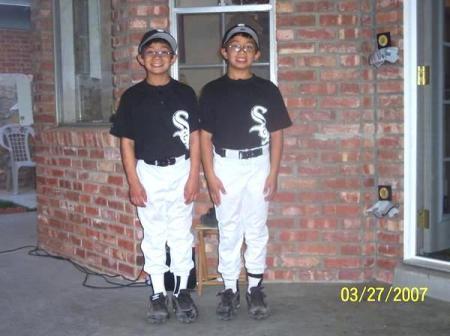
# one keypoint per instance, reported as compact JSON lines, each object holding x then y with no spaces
{"x":433,"y":130}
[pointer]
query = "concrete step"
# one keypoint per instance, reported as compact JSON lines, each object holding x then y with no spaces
{"x":437,"y":282}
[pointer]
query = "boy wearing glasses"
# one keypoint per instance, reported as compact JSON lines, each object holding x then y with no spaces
{"x":242,"y":121}
{"x":157,"y":123}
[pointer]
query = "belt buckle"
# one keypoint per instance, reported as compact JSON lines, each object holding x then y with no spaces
{"x":162,"y":163}
{"x":250,"y":153}
{"x":165,"y":162}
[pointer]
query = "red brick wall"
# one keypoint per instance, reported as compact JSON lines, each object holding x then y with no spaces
{"x":388,"y":101}
{"x":83,"y":207}
{"x":346,"y":139}
{"x":329,"y":174}
{"x":15,"y":53}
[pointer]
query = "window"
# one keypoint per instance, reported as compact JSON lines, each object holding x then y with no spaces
{"x":83,"y":58}
{"x":198,"y":26}
{"x":15,"y":15}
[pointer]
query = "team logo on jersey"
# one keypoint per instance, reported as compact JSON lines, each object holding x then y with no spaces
{"x":257,"y":114}
{"x":180,"y":120}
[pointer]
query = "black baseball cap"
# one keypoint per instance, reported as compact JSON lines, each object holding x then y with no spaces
{"x":240,"y":28}
{"x":158,"y":34}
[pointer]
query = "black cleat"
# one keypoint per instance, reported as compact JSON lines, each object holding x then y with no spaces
{"x":228,"y":305}
{"x":257,"y":306}
{"x":157,"y":308}
{"x":184,"y":307}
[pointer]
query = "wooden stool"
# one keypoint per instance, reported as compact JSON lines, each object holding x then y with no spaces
{"x":203,"y":277}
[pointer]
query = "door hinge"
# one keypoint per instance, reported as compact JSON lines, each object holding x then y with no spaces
{"x":423,"y":75}
{"x":423,"y":219}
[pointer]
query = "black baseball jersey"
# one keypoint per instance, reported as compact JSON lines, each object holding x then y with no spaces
{"x":240,"y":114}
{"x":158,"y":118}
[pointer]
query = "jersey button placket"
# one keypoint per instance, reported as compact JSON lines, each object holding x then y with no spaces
{"x":161,"y":97}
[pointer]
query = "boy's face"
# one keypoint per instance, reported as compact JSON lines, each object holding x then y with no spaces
{"x":240,"y":52}
{"x":157,"y":58}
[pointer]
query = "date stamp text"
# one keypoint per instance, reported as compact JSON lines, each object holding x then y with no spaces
{"x":383,"y":294}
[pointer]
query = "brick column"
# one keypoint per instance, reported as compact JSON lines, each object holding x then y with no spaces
{"x":389,"y":137}
{"x":331,"y":166}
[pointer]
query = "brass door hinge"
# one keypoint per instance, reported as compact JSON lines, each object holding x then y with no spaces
{"x":423,"y":219}
{"x":423,"y":75}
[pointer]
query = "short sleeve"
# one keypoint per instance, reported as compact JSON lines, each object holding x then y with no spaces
{"x":206,"y":116}
{"x":122,"y":120}
{"x":193,"y":112}
{"x":278,"y":117}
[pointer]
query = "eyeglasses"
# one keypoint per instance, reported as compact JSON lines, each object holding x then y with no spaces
{"x":160,"y":53}
{"x":248,"y":48}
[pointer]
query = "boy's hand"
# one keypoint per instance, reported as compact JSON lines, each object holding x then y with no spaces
{"x":191,"y":189}
{"x":270,"y":187}
{"x":215,"y":188}
{"x":138,"y":196}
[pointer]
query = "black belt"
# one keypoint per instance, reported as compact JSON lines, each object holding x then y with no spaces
{"x":243,"y":154}
{"x":165,"y":162}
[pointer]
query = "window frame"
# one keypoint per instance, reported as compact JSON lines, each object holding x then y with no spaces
{"x":225,"y":9}
{"x":66,"y":52}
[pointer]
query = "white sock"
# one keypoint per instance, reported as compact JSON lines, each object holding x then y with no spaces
{"x":253,"y":282}
{"x":230,"y":284}
{"x":180,"y":282}
{"x":158,"y":284}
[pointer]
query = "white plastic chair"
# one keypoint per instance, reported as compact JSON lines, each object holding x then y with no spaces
{"x":14,"y":138}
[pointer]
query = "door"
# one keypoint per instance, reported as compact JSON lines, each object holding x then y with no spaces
{"x":433,"y":130}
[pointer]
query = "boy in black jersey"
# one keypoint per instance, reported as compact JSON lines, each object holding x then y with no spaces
{"x":242,"y":122}
{"x":157,"y":122}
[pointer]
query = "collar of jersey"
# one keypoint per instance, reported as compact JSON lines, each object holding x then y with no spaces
{"x":240,"y":81}
{"x":158,"y":87}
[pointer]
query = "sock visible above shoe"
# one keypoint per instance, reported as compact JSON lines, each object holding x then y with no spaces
{"x":232,"y":284}
{"x":254,"y":280}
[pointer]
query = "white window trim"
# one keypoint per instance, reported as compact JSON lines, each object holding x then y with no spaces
{"x":270,"y":8}
{"x":410,"y":143}
{"x":95,"y":39}
{"x":410,"y":119}
{"x":67,"y":54}
{"x":67,"y":113}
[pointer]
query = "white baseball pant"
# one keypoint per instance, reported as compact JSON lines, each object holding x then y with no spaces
{"x":166,"y":218}
{"x":242,"y":214}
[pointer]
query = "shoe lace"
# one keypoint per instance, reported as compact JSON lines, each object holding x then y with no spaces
{"x":226,"y":297}
{"x":184,"y":298}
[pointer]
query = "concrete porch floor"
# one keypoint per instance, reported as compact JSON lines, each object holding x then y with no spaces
{"x":45,"y":297}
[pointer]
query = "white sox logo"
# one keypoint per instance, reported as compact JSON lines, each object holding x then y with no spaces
{"x":257,"y":114}
{"x":179,"y":119}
